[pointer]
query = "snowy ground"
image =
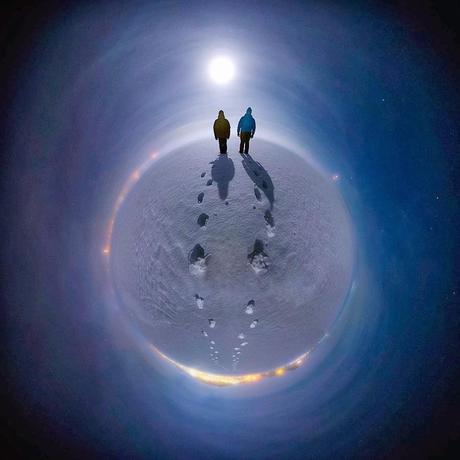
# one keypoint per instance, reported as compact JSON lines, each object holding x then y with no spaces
{"x":232,"y":264}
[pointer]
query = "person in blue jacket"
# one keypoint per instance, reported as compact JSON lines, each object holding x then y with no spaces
{"x":246,"y":129}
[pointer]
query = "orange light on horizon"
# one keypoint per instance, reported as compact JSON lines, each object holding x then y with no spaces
{"x":125,"y":189}
{"x":223,"y":380}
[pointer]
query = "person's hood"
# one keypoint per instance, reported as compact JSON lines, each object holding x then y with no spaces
{"x":249,"y":111}
{"x":221,"y":114}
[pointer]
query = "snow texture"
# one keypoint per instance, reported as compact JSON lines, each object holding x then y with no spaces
{"x":295,"y":280}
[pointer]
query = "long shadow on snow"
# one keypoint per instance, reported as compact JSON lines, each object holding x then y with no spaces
{"x":222,"y":172}
{"x":259,"y":175}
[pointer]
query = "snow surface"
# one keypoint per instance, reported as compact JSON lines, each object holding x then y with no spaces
{"x":191,"y":261}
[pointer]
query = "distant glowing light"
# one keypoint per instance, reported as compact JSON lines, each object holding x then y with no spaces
{"x":335,"y":177}
{"x":223,"y":380}
{"x":221,"y":70}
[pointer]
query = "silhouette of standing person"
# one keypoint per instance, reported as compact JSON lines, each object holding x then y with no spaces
{"x":246,"y":130}
{"x":222,"y":131}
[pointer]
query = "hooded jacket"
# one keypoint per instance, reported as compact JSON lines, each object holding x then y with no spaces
{"x":221,"y":126}
{"x":247,"y":124}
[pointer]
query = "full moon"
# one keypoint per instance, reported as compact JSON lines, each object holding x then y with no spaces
{"x":221,"y":70}
{"x":232,"y":264}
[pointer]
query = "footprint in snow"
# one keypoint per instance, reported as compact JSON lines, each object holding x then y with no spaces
{"x":241,"y":336}
{"x":203,"y":174}
{"x":257,"y":194}
{"x":202,"y":220}
{"x":249,"y":309}
{"x":209,"y":182}
{"x":258,"y":259}
{"x":199,"y":301}
{"x":269,"y":224}
{"x":254,"y":324}
{"x":269,"y":218}
{"x":244,"y":344}
{"x":212,"y":324}
{"x":200,"y":197}
{"x":197,"y":260}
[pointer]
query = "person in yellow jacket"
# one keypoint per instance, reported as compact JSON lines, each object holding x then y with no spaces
{"x":222,"y":131}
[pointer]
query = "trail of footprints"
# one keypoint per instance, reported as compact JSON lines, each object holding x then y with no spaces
{"x":249,"y":310}
{"x":258,"y":259}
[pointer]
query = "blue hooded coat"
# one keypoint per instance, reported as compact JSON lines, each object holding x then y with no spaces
{"x":247,"y":124}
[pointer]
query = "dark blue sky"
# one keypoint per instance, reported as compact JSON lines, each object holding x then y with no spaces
{"x":370,"y":93}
